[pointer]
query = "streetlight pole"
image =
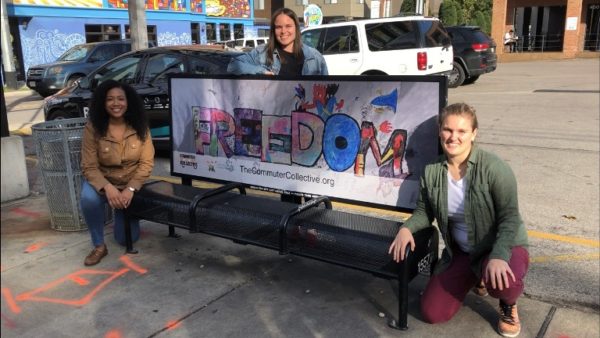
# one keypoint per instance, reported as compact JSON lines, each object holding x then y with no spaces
{"x":137,"y":24}
{"x":10,"y":73}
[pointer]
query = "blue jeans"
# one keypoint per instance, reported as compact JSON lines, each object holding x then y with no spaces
{"x":92,"y":206}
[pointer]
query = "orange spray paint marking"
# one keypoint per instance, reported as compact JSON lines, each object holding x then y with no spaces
{"x":76,"y":277}
{"x":8,"y":322}
{"x":113,"y":334}
{"x":24,"y":212}
{"x":35,"y":247}
{"x":33,"y":295}
{"x":130,"y":264}
{"x":173,"y":324}
{"x":79,"y":280}
{"x":10,"y":301}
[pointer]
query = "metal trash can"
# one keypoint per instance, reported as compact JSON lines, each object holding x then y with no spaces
{"x":58,"y":148}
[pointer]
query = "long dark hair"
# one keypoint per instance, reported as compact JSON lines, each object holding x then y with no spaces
{"x":273,"y":43}
{"x":135,"y":116}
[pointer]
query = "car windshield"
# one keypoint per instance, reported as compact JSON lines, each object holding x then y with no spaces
{"x":76,"y":53}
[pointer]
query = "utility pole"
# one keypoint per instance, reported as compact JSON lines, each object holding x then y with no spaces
{"x":10,"y":73}
{"x":137,"y":24}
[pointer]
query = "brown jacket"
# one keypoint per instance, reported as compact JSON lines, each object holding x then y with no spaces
{"x":123,"y":164}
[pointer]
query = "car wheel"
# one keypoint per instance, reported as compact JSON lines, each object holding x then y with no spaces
{"x":471,"y":79}
{"x":457,"y":75}
{"x":59,"y":115}
{"x":72,"y":80}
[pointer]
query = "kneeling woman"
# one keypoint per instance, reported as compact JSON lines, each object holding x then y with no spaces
{"x":117,"y":156}
{"x":473,"y":196}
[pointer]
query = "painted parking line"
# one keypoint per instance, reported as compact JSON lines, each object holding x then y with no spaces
{"x":565,"y":258}
{"x":594,"y":243}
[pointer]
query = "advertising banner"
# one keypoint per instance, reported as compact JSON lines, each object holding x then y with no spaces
{"x":356,"y":138}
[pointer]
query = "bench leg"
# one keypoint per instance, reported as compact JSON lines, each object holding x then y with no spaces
{"x":128,"y":241}
{"x":172,"y":232}
{"x":402,"y":322}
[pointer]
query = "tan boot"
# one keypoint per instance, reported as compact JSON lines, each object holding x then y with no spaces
{"x":509,"y":324}
{"x":96,"y":255}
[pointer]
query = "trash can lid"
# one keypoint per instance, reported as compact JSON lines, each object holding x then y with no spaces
{"x":63,"y":124}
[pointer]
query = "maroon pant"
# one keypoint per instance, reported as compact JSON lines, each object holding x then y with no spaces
{"x":446,"y":291}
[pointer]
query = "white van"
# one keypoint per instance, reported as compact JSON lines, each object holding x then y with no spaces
{"x":409,"y":45}
{"x":249,"y":43}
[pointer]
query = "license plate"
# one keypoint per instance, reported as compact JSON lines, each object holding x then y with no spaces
{"x":31,"y":83}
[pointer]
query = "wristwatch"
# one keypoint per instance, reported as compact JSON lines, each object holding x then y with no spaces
{"x":131,"y":189}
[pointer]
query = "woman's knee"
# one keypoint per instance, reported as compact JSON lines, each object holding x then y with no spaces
{"x":436,"y":314}
{"x":89,"y":197}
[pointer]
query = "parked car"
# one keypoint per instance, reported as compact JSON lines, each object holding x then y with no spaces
{"x":474,"y":55}
{"x":246,"y":43}
{"x":147,"y":72}
{"x":72,"y":65}
{"x":403,"y":45}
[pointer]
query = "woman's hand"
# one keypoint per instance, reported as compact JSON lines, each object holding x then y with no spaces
{"x":497,"y":270}
{"x":268,"y":72}
{"x":126,"y":197}
{"x":398,"y":246}
{"x":113,"y":196}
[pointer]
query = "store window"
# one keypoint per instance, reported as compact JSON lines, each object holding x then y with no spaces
{"x":195,"y":28}
{"x":152,"y":41}
{"x":225,"y":32}
{"x":211,"y":33}
{"x":97,"y":33}
{"x":238,"y":31}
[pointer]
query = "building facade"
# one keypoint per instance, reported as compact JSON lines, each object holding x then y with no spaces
{"x":41,"y":30}
{"x":556,"y":28}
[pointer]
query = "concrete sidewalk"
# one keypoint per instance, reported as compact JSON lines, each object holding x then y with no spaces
{"x":202,"y":286}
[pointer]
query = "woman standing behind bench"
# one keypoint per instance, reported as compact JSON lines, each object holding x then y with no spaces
{"x":473,"y":196}
{"x":284,"y":54}
{"x":117,"y":156}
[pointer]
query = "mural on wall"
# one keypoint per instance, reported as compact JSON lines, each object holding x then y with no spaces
{"x":59,"y":3}
{"x":171,"y":33}
{"x":173,"y":39}
{"x":228,"y":8}
{"x":47,"y":45}
{"x":363,"y":140}
{"x":44,"y":40}
{"x":156,"y":5}
{"x":196,"y":6}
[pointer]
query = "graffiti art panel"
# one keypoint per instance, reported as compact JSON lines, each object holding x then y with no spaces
{"x":354,"y":138}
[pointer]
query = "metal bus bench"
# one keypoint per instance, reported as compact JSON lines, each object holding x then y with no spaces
{"x":313,"y":229}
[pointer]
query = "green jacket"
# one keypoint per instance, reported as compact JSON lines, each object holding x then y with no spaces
{"x":491,"y":208}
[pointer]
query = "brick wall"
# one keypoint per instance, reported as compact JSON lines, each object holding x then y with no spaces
{"x":502,"y":18}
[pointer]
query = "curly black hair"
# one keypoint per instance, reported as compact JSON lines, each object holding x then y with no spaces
{"x":135,"y":116}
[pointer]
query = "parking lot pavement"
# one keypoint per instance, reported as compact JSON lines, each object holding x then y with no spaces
{"x":198,"y":286}
{"x":202,"y":286}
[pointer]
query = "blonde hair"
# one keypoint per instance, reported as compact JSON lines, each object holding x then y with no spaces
{"x":460,"y":109}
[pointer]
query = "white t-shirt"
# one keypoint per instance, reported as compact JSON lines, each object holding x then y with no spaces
{"x":456,"y":213}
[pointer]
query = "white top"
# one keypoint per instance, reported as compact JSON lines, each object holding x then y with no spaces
{"x":509,"y":37}
{"x":456,"y":213}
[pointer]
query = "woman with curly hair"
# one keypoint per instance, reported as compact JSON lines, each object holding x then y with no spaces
{"x":117,"y":156}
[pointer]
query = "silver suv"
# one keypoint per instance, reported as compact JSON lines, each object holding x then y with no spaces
{"x":72,"y":65}
{"x":409,"y":45}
